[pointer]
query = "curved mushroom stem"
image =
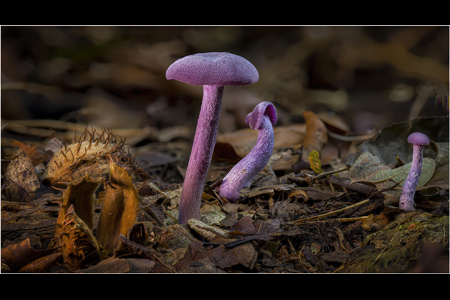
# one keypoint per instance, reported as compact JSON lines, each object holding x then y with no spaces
{"x":253,"y":163}
{"x":411,"y":181}
{"x":201,"y":154}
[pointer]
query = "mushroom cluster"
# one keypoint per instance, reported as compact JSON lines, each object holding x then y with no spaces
{"x":213,"y":70}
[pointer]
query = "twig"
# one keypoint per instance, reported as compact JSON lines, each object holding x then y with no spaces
{"x":152,"y":214}
{"x":324,"y":174}
{"x":343,"y":220}
{"x":358,"y":187}
{"x":329,"y":213}
{"x":383,"y":190}
{"x":147,"y":252}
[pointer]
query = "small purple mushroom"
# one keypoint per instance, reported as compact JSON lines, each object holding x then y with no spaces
{"x":263,"y":117}
{"x":419,"y":140}
{"x":213,"y":70}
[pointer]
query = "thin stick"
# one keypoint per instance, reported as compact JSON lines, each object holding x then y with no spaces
{"x":150,"y":211}
{"x":343,"y":220}
{"x":383,"y":190}
{"x":329,"y":213}
{"x":146,"y":251}
{"x":358,"y":187}
{"x":324,"y":174}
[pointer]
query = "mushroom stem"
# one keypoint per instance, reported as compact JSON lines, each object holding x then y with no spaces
{"x":201,"y":154}
{"x":255,"y":161}
{"x":411,"y":181}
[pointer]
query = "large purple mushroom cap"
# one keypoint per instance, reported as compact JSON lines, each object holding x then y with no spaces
{"x":213,"y":68}
{"x":418,"y":138}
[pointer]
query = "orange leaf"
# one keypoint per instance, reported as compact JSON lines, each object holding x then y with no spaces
{"x":316,"y":134}
{"x":36,"y":157}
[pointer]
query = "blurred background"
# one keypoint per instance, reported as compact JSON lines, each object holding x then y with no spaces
{"x":357,"y":78}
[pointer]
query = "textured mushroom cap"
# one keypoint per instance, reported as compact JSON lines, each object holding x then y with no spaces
{"x":266,"y":108}
{"x":418,"y":138}
{"x":213,"y":68}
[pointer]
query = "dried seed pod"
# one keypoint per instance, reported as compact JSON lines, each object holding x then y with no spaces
{"x":76,"y":241}
{"x":119,"y":210}
{"x":88,"y":155}
{"x":81,"y":196}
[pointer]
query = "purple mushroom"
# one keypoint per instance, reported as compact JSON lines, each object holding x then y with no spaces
{"x":214,"y":71}
{"x":262,"y":118}
{"x":419,"y":140}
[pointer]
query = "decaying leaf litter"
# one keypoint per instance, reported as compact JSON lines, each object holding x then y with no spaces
{"x":115,"y":210}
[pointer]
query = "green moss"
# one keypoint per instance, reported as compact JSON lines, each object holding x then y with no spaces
{"x":396,"y":247}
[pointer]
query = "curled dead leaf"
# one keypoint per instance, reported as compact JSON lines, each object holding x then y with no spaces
{"x":18,"y":255}
{"x":299,"y":194}
{"x":41,"y":265}
{"x":316,"y":134}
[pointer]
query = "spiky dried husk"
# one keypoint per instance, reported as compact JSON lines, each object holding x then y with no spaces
{"x":81,"y":196}
{"x":76,"y":241}
{"x":90,"y":154}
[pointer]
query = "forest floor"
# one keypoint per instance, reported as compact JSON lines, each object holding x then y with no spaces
{"x":96,"y":142}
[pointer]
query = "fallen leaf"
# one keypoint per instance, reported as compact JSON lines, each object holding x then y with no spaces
{"x":18,"y":255}
{"x":441,"y":148}
{"x":439,"y":179}
{"x":369,"y":168}
{"x":314,"y":161}
{"x":21,"y":177}
{"x":243,"y":226}
{"x":391,"y":141}
{"x":35,"y":157}
{"x":41,"y":265}
{"x":285,"y":210}
{"x":296,"y":194}
{"x":316,"y":134}
{"x":121,"y":265}
{"x":212,"y":214}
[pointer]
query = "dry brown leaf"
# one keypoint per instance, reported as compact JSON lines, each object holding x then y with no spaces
{"x":35,"y":157}
{"x":21,"y":177}
{"x":41,"y":265}
{"x":121,"y":265}
{"x":299,"y":194}
{"x":18,"y":255}
{"x":243,"y":226}
{"x":316,"y":134}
